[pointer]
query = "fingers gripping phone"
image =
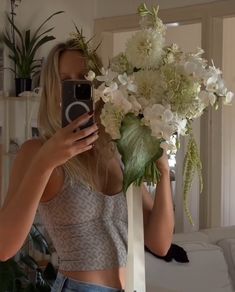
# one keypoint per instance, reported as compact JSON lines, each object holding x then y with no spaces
{"x":77,"y":99}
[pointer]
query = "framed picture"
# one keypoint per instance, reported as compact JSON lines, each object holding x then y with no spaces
{"x":35,"y":132}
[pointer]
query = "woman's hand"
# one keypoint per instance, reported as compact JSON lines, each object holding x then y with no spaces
{"x":162,"y":164}
{"x":68,"y":142}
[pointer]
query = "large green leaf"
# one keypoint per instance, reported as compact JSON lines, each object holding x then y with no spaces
{"x":9,"y":272}
{"x":44,"y":22}
{"x":38,"y":240}
{"x":139,"y":152}
{"x":35,"y":40}
{"x":42,"y":41}
{"x":29,"y":261}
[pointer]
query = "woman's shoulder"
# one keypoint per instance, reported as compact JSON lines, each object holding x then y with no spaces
{"x":31,"y":146}
{"x":26,"y":153}
{"x":56,"y":180}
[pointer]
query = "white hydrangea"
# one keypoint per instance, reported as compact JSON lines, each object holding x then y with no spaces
{"x":120,"y":101}
{"x":111,"y":118}
{"x":120,"y":64}
{"x":145,"y":48}
{"x":194,"y":65}
{"x":136,"y":107}
{"x":149,"y":89}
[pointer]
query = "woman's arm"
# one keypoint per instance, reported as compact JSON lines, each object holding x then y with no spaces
{"x":31,"y":172}
{"x":29,"y":178}
{"x":159,"y":214}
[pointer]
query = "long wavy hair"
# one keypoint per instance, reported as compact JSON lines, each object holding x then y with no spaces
{"x":90,"y":166}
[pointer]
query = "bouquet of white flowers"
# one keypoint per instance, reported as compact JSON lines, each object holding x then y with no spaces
{"x":152,"y":93}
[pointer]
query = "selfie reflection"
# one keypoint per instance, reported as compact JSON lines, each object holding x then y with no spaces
{"x":69,"y":158}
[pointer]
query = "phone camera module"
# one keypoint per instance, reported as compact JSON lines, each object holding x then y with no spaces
{"x":83,"y":91}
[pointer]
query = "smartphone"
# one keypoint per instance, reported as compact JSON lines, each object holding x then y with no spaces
{"x":77,"y":99}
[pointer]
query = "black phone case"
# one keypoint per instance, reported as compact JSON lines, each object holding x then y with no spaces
{"x":74,"y":105}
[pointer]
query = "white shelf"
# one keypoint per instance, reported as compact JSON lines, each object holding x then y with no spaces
{"x":18,"y":116}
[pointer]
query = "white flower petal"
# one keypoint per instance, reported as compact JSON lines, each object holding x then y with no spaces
{"x":229,"y":97}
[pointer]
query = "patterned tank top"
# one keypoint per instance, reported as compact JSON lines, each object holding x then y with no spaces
{"x":88,"y":229}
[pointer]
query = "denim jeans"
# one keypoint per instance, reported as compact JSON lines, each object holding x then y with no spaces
{"x":65,"y":284}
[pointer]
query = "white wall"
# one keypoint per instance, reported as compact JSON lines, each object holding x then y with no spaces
{"x":107,"y":8}
{"x":2,"y":9}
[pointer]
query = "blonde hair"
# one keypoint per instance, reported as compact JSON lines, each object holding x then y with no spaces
{"x":89,"y":165}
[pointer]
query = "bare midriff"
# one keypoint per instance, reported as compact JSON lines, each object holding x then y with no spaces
{"x":114,"y":278}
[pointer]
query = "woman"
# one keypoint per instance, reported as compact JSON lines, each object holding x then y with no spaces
{"x":75,"y":178}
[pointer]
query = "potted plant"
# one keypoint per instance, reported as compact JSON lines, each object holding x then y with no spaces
{"x":22,"y":273}
{"x":23,"y":46}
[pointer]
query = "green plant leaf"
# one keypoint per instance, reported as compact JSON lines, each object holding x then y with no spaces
{"x":31,"y":288}
{"x":18,"y":32}
{"x":25,"y":48}
{"x":9,"y":272}
{"x":35,"y":39}
{"x":139,"y":151}
{"x":41,"y":282}
{"x":44,"y":40}
{"x":44,"y":22}
{"x":50,"y":273}
{"x":16,"y":29}
{"x":38,"y":240}
{"x":28,"y":261}
{"x":27,"y":40}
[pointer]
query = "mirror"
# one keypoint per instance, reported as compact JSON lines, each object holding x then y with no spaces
{"x":190,"y":28}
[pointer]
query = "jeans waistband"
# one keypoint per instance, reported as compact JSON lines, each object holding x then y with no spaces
{"x":62,"y":283}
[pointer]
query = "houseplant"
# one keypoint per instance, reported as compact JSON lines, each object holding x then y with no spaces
{"x":23,"y":46}
{"x":22,"y":273}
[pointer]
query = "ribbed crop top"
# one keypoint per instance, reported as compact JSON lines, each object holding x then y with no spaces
{"x":88,"y":229}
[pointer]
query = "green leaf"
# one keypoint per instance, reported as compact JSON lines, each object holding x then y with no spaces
{"x":35,"y":39}
{"x":17,"y":31}
{"x":27,"y":40}
{"x":41,"y":282}
{"x":29,"y":261}
{"x":31,"y":288}
{"x":139,"y":151}
{"x":38,"y":240}
{"x":9,"y":272}
{"x":25,"y":47}
{"x":44,"y":22}
{"x":39,"y":44}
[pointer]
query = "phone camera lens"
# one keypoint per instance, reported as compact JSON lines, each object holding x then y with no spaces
{"x":83,"y":91}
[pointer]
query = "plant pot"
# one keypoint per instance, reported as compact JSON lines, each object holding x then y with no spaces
{"x":23,"y":84}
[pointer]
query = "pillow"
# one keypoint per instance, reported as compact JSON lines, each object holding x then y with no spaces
{"x":228,"y":246}
{"x":206,"y":271}
{"x":219,"y":233}
{"x":190,"y":236}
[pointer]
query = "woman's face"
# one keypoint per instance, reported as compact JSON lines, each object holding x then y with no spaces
{"x":72,"y":65}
